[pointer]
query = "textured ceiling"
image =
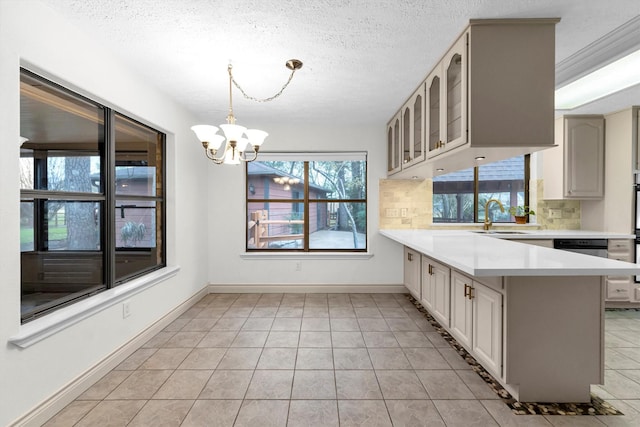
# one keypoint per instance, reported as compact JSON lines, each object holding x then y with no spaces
{"x":362,"y":58}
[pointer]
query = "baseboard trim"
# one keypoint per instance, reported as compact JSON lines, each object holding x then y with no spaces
{"x":68,"y":393}
{"x":305,"y":288}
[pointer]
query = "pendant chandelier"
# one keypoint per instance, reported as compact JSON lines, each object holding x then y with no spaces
{"x":239,"y":143}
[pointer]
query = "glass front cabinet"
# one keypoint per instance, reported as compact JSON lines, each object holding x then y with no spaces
{"x":406,"y":142}
{"x":413,"y":138}
{"x":447,"y":100}
{"x":466,"y":108}
{"x":393,"y":145}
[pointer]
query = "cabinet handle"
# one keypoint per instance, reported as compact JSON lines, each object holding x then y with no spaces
{"x":410,"y":256}
{"x":471,"y":296}
{"x":466,"y":290}
{"x":430,"y":270}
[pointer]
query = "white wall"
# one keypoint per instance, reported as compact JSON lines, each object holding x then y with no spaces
{"x":226,"y":193}
{"x":36,"y":37}
{"x":615,"y":211}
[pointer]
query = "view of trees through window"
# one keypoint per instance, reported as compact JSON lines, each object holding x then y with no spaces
{"x":461,"y":196}
{"x":306,"y":205}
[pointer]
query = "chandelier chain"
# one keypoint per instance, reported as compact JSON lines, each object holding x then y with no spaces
{"x":271,"y":98}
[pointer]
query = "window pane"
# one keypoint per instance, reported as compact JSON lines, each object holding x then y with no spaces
{"x":26,"y":226}
{"x":275,"y":225}
{"x":338,"y":180}
{"x":138,"y":237}
{"x":65,"y":262}
{"x":504,"y":181}
{"x":336,"y":225}
{"x":138,"y":158}
{"x":73,"y":226}
{"x":275,"y":180}
{"x":453,"y":197}
{"x":136,"y":224}
{"x":26,"y":169}
{"x":63,"y":135}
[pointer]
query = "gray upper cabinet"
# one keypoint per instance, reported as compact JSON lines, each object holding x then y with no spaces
{"x":393,"y":145}
{"x":413,"y":138}
{"x":575,"y":168}
{"x":447,"y":97}
{"x":491,"y":95}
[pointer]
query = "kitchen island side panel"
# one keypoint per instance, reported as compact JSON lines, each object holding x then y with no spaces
{"x":554,"y":337}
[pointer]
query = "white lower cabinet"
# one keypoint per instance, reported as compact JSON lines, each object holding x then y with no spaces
{"x":435,"y":289}
{"x":412,"y":266}
{"x":619,"y":288}
{"x":476,"y":320}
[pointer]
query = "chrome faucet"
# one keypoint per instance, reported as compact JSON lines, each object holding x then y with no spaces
{"x":487,"y":220}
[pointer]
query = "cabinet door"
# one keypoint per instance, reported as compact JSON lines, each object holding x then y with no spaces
{"x":454,"y":94}
{"x":426,"y":285}
{"x":412,"y":272}
{"x":618,"y":289}
{"x":413,"y":141}
{"x":584,"y":157}
{"x":487,"y":327}
{"x":393,"y":144}
{"x":441,"y":293}
{"x":461,"y":309}
{"x":433,"y":93}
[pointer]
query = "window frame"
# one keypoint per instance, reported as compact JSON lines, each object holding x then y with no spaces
{"x":306,"y":201}
{"x":476,"y":192}
{"x":106,"y":196}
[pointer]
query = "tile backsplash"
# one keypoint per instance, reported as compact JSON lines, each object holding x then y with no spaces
{"x":556,"y":214}
{"x":407,"y":204}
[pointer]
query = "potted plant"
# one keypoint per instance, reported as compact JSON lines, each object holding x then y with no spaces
{"x":520,"y":213}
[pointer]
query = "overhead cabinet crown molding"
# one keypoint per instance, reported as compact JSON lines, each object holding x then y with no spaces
{"x":491,"y":95}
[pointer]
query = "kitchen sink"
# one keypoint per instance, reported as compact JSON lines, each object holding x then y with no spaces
{"x":498,"y":232}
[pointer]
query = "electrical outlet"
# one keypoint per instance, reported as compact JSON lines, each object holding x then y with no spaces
{"x":403,"y":212}
{"x":298,"y":265}
{"x":126,"y":309}
{"x":391,"y":213}
{"x":555,"y":213}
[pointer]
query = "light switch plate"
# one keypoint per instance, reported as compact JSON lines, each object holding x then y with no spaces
{"x":555,"y":213}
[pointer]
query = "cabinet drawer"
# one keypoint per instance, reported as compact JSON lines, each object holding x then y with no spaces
{"x":621,"y":256}
{"x":618,"y":291}
{"x":620,"y":245}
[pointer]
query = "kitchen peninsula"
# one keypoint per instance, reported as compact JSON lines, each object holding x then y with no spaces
{"x":532,"y":316}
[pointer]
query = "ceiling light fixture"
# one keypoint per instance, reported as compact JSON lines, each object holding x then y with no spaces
{"x":235,"y":144}
{"x":611,"y":78}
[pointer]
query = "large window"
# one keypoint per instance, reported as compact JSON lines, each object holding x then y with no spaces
{"x":91,"y":197}
{"x":307,"y":202}
{"x":461,"y":196}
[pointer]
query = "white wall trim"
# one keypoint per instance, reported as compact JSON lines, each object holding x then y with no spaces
{"x":39,"y":329}
{"x":306,"y":288}
{"x":68,"y":393}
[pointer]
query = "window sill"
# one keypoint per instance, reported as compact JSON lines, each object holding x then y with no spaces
{"x":307,"y":255}
{"x":39,"y":329}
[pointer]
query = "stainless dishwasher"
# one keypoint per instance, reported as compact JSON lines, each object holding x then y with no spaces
{"x":594,"y":247}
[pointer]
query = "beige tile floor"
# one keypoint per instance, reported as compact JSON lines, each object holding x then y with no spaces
{"x":323,"y":360}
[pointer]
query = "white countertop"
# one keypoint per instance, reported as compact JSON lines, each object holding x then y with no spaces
{"x":485,"y":255}
{"x":512,"y":232}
